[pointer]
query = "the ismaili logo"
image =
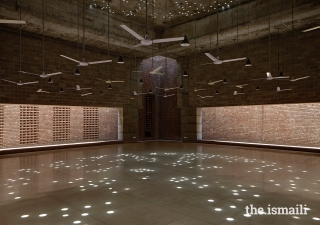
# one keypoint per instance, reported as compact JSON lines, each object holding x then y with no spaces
{"x":299,"y":209}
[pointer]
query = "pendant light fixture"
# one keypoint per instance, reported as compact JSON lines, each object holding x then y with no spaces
{"x":150,"y":91}
{"x":185,"y":41}
{"x":280,"y":73}
{"x":61,"y":90}
{"x":217,"y":92}
{"x":120,"y":60}
{"x":248,"y":62}
{"x":109,"y":87}
{"x":181,"y":86}
{"x":77,"y":71}
{"x":141,"y":81}
{"x":257,"y":88}
{"x":50,"y":80}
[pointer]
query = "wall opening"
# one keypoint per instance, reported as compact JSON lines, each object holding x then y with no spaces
{"x":293,"y":125}
{"x":25,"y":126}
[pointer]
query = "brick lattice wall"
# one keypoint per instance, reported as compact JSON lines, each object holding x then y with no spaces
{"x":34,"y":125}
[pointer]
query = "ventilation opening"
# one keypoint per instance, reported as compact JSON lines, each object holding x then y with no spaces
{"x":149,"y":112}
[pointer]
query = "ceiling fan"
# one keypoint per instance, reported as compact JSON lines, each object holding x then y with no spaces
{"x":205,"y":96}
{"x":210,"y":82}
{"x":196,"y":90}
{"x":21,"y":83}
{"x":167,"y":89}
{"x":241,"y":86}
{"x":216,"y":60}
{"x":270,"y":77}
{"x":278,"y":89}
{"x":165,"y":95}
{"x":111,"y":81}
{"x":83,"y":62}
{"x":78,"y":88}
{"x":155,"y":71}
{"x":145,"y":41}
{"x":136,"y":94}
{"x":43,"y":75}
{"x":12,"y":21}
{"x":237,"y":93}
{"x":300,"y":78}
{"x":42,"y":91}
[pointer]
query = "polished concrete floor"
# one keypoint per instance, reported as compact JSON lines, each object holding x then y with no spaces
{"x":157,"y":183}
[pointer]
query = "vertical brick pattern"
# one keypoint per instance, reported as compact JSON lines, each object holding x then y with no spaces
{"x":285,"y":124}
{"x":45,"y":124}
{"x":90,"y":123}
{"x":61,"y":123}
{"x":29,"y":124}
{"x":1,"y":124}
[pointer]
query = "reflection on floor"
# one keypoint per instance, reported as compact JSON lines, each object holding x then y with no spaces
{"x":158,"y":183}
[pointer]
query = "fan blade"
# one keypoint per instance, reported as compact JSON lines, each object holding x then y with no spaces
{"x":211,"y":57}
{"x":86,"y":94}
{"x":97,"y":62}
{"x":156,"y":69}
{"x":260,"y":79}
{"x":29,"y":73}
{"x":214,"y":82}
{"x":206,"y":64}
{"x":33,"y":82}
{"x":167,"y":40}
{"x":280,"y":77}
{"x":173,"y":88}
{"x":13,"y":21}
{"x":85,"y":88}
{"x":159,"y":88}
{"x":70,"y":58}
{"x":300,"y":78}
{"x":241,"y":86}
{"x":170,"y":95}
{"x":201,"y":82}
{"x":101,"y":80}
{"x":117,"y":81}
{"x":133,"y":33}
{"x":10,"y":81}
{"x":232,"y":60}
{"x":52,"y":74}
{"x":201,"y":89}
{"x":138,"y":45}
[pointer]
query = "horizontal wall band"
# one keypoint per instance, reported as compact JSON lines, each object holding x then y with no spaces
{"x":7,"y":151}
{"x":261,"y":145}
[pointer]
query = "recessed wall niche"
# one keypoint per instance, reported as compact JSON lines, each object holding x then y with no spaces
{"x":41,"y":125}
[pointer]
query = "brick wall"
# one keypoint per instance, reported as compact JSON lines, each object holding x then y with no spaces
{"x":32,"y":62}
{"x":39,"y":125}
{"x":285,"y":124}
{"x":167,"y":115}
{"x":305,"y":63}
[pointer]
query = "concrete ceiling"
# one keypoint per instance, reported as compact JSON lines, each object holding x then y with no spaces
{"x":61,"y":21}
